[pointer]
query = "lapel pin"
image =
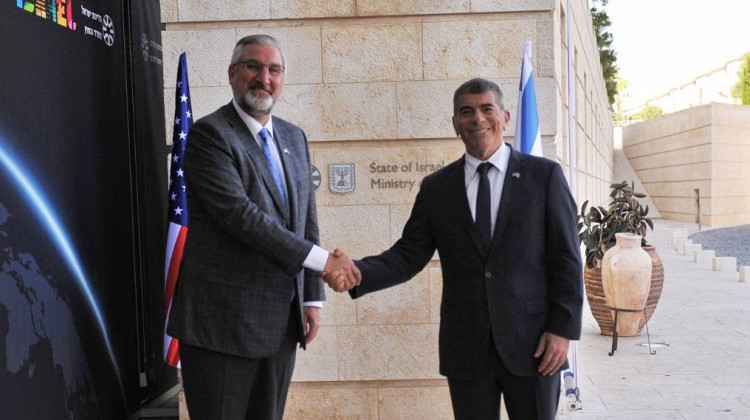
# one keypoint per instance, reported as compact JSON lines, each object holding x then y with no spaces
{"x":286,"y":151}
{"x":515,"y":175}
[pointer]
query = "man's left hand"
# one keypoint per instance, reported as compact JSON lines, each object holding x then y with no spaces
{"x":554,"y":348}
{"x":311,"y":320}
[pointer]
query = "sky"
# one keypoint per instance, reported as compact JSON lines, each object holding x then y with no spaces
{"x":661,"y":44}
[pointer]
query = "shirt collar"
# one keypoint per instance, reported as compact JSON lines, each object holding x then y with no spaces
{"x":252,"y":124}
{"x":499,"y":160}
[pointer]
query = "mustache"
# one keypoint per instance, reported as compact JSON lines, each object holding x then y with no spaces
{"x":259,"y":86}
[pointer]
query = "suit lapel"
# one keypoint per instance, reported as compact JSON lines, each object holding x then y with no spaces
{"x":282,"y":138}
{"x":255,"y":153}
{"x":511,"y":188}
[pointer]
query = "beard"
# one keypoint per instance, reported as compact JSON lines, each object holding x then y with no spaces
{"x":256,"y":104}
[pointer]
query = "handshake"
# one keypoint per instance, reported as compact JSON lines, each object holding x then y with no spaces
{"x":340,"y":272}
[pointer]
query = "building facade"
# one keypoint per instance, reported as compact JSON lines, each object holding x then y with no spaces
{"x":712,"y":86}
{"x":371,"y":82}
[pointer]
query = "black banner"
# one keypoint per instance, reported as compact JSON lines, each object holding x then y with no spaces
{"x":71,"y":255}
{"x":150,"y":187}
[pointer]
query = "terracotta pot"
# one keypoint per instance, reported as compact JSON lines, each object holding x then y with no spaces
{"x":657,"y":284}
{"x":592,"y":279}
{"x":626,"y":278}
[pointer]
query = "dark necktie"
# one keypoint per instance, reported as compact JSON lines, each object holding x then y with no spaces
{"x":265,"y":138}
{"x":483,"y":207}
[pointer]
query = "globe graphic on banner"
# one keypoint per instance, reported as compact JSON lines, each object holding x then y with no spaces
{"x":44,"y":372}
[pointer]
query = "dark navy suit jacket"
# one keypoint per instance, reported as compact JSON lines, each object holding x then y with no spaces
{"x":529,"y":283}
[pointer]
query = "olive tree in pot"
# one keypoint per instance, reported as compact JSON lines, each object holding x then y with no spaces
{"x":597,"y":227}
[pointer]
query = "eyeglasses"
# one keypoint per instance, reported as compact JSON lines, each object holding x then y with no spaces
{"x":256,"y":67}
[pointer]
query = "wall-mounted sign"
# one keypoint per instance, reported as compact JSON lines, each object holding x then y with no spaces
{"x":341,"y":178}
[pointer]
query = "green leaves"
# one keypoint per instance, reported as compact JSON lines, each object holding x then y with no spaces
{"x":607,"y":55}
{"x":597,"y":226}
{"x":741,"y":89}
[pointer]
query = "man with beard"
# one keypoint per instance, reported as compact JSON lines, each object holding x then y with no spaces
{"x":248,"y":289}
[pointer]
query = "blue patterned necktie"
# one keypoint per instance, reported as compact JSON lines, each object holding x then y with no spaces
{"x":265,"y":138}
{"x":483,"y":207}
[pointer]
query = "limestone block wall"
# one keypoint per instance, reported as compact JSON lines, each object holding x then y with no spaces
{"x":706,"y":148}
{"x":371,"y":82}
{"x":593,"y":162}
{"x":730,"y":171}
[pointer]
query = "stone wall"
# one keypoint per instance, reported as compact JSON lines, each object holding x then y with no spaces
{"x":371,"y":82}
{"x":705,"y":148}
{"x":594,"y":167}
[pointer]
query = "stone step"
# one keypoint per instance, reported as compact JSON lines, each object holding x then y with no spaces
{"x":704,"y":255}
{"x":725,"y":264}
{"x":690,"y":249}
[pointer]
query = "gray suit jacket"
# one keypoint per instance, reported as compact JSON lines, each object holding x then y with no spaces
{"x":529,"y":283}
{"x":244,"y":250}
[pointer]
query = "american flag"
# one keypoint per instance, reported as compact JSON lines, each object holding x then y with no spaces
{"x":178,"y":213}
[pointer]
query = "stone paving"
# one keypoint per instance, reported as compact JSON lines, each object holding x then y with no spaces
{"x":704,"y":372}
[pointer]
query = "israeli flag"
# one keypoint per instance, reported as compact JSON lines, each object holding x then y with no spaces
{"x":528,"y":139}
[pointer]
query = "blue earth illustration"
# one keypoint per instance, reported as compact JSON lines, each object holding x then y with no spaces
{"x":44,"y":373}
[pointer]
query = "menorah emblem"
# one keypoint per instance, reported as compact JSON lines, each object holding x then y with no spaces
{"x":341,"y":177}
{"x":341,"y":172}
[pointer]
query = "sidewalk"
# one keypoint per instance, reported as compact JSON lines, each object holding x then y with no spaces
{"x":703,"y":373}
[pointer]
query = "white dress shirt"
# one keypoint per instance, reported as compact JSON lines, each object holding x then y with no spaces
{"x":496,"y":175}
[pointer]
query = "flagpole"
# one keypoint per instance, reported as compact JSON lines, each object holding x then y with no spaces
{"x":528,"y":140}
{"x":574,"y":402}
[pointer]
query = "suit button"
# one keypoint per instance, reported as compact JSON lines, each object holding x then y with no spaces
{"x":487,"y":275}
